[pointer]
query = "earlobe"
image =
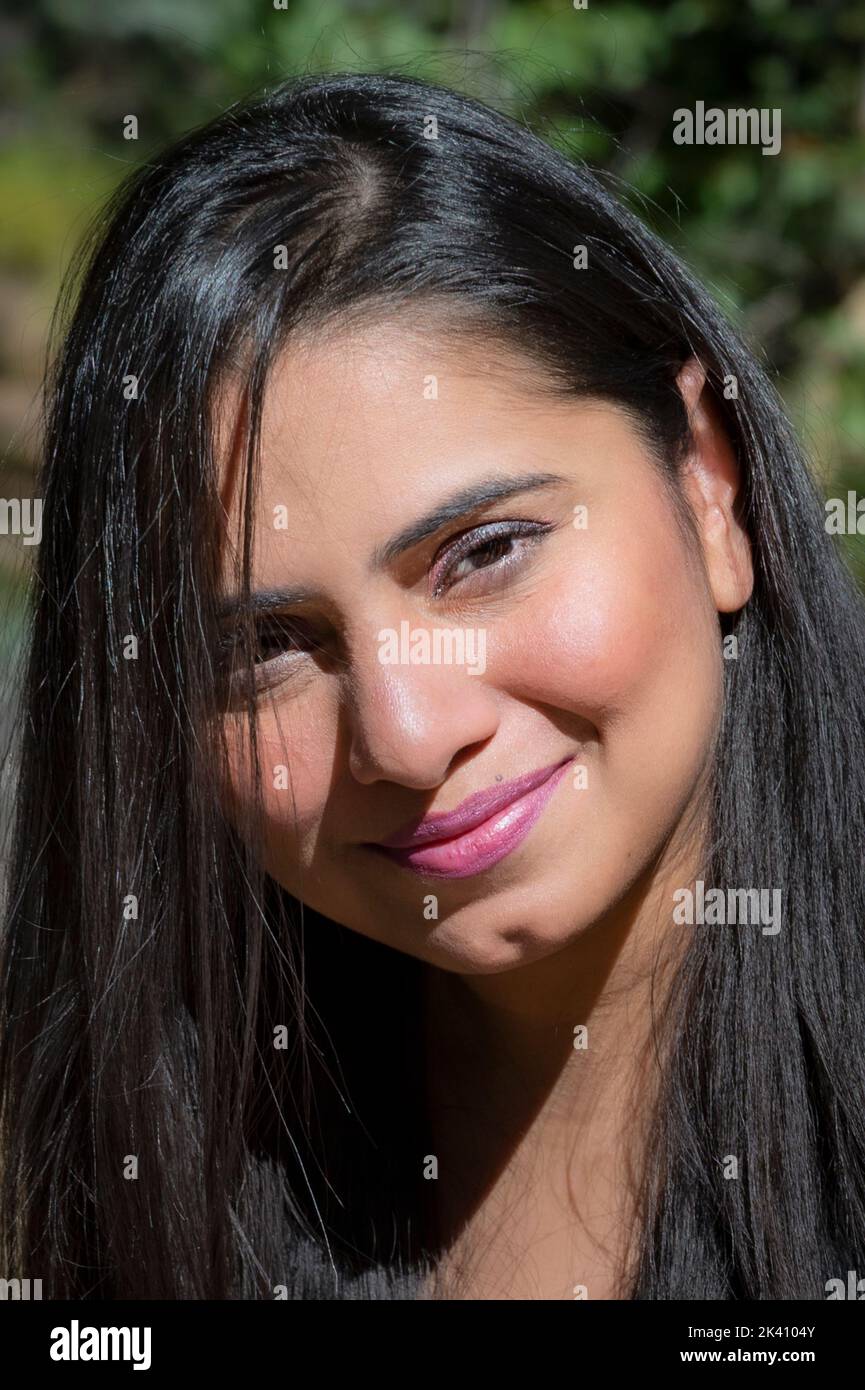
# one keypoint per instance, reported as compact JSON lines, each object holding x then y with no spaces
{"x":712,"y":483}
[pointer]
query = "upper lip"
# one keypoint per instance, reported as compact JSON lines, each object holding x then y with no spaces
{"x":472,"y":812}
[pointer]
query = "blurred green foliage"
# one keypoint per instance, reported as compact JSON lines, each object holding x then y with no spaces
{"x":779,"y":239}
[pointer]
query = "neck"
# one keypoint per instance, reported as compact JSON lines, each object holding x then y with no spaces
{"x":542,"y":1081}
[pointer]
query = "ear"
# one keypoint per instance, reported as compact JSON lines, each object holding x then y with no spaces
{"x":712,"y":482}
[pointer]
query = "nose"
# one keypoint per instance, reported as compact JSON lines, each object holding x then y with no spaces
{"x":409,"y":721}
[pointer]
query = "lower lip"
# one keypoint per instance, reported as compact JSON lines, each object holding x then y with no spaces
{"x":484,"y":846}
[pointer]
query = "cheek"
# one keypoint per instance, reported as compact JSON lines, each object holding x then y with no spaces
{"x":296,"y":773}
{"x":622,"y":635}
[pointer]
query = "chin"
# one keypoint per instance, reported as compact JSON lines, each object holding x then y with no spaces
{"x":499,"y":947}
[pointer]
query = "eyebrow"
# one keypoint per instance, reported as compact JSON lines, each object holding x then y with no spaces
{"x":468,"y":499}
{"x":462,"y":503}
{"x":265,"y":601}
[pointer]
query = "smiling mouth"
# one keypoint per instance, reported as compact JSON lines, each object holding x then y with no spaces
{"x":483,"y":830}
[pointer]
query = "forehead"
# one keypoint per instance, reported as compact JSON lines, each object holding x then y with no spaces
{"x":364,"y":429}
{"x":385,"y":383}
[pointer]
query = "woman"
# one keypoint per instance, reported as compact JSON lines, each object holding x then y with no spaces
{"x":438,"y":858}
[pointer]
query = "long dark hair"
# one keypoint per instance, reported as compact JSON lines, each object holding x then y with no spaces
{"x":146,"y":958}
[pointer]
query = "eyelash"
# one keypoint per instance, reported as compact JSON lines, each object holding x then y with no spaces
{"x":474,"y":542}
{"x":276,"y":630}
{"x":463,"y":547}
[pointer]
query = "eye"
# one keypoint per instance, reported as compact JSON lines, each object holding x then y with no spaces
{"x":277,"y":641}
{"x":498,"y":546}
{"x":282,"y":636}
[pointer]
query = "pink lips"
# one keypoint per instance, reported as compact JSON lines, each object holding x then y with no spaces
{"x":484,"y":829}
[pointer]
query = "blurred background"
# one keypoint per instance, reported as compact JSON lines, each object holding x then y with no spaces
{"x":780,"y":240}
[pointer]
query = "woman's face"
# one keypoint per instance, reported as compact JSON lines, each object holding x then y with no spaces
{"x":474,"y":598}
